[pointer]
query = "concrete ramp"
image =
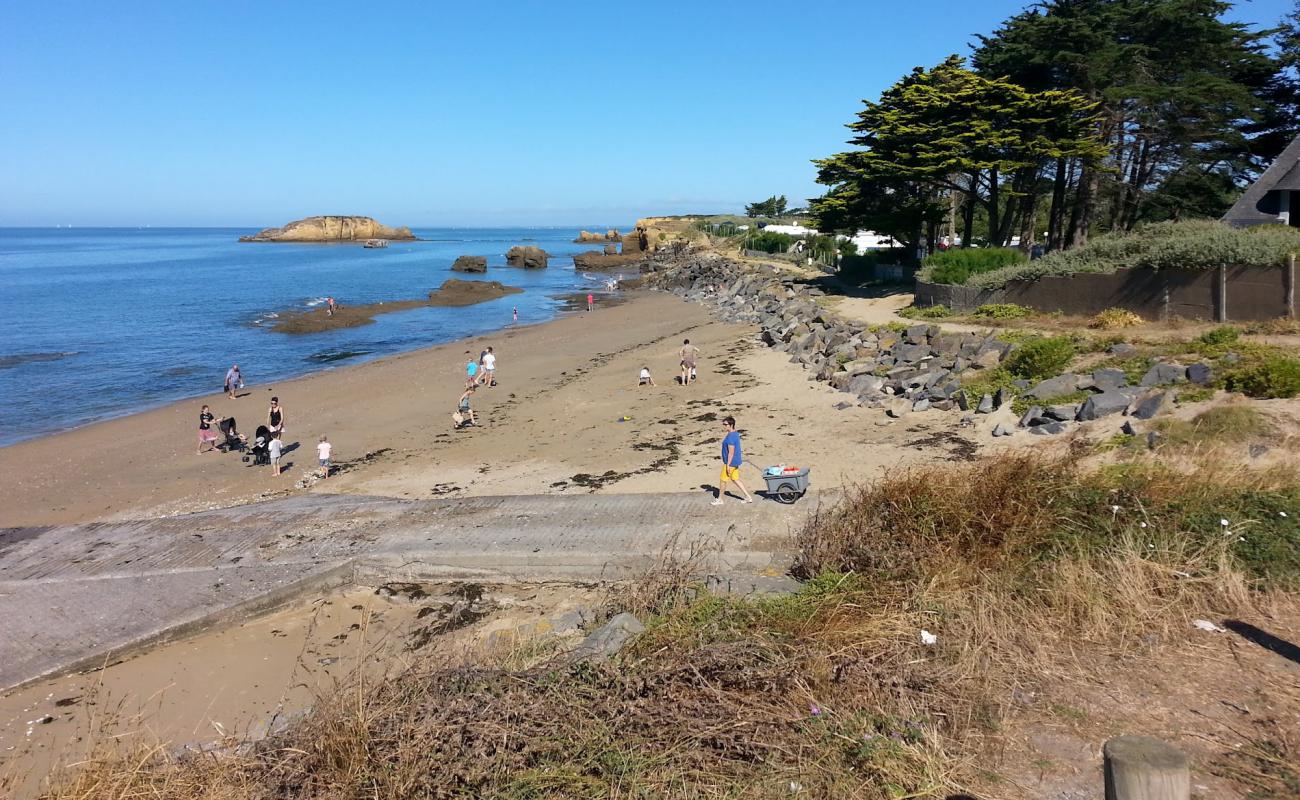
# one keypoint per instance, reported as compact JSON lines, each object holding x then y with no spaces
{"x":77,"y":596}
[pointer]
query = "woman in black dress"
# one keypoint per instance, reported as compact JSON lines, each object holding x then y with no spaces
{"x":275,"y":418}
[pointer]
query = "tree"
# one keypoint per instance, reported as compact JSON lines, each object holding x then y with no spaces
{"x":773,"y":206}
{"x":948,"y":129}
{"x":1177,"y":88}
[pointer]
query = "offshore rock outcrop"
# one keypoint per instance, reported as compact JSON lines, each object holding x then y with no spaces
{"x":331,"y":229}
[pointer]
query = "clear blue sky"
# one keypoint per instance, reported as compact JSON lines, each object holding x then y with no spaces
{"x":430,"y":113}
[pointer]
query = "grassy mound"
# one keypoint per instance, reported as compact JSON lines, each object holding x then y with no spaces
{"x":1196,"y":244}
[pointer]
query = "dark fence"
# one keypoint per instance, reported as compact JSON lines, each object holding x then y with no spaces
{"x":1224,"y":294}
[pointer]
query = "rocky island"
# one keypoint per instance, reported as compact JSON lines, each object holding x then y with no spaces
{"x":453,"y":292}
{"x":331,"y":229}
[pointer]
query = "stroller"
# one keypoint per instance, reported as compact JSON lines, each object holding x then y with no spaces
{"x":260,"y":451}
{"x":234,"y":441}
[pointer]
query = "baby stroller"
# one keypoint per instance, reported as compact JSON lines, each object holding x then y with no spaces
{"x":234,"y":440}
{"x":260,"y":451}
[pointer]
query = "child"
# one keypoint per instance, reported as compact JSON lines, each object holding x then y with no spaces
{"x":645,"y":379}
{"x":275,"y":453}
{"x":323,"y":453}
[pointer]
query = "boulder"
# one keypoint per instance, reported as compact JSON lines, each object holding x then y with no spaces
{"x":1151,"y":404}
{"x":1122,"y":349}
{"x":527,"y":256}
{"x":469,"y":264}
{"x":1054,"y":387}
{"x":916,"y":334}
{"x":331,"y":229}
{"x":608,"y":639}
{"x":1104,"y":404}
{"x":1001,"y":430}
{"x":1062,"y":413}
{"x":1107,"y":379}
{"x":866,"y":384}
{"x":921,"y":405}
{"x":1048,"y":428}
{"x":611,"y":249}
{"x":1030,"y":416}
{"x":986,"y":405}
{"x":911,"y":352}
{"x":1200,"y":374}
{"x":1164,"y":374}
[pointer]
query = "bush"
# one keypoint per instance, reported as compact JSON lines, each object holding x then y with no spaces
{"x":1276,"y":376}
{"x":925,"y":312}
{"x":1113,"y":318}
{"x":1196,"y":244}
{"x":959,"y":264}
{"x":1002,"y":311}
{"x":1040,"y":358}
{"x":1222,"y":336}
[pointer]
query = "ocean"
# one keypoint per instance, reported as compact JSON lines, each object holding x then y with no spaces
{"x":102,"y":322}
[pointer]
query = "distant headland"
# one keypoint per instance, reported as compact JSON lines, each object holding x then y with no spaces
{"x":331,"y":229}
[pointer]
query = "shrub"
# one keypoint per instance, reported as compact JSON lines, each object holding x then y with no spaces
{"x":1276,"y":376}
{"x":1222,"y":336}
{"x":959,"y":264}
{"x":1197,"y":244}
{"x":925,"y":312}
{"x":1002,"y":311}
{"x":1113,"y":318}
{"x":1042,"y":358}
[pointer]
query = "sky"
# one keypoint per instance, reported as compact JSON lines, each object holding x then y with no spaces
{"x":430,"y":113}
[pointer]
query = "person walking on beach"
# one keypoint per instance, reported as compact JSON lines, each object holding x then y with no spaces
{"x":731,"y":461}
{"x":276,"y":448}
{"x":591,"y":301}
{"x":471,"y":373}
{"x":206,"y":432}
{"x":234,"y":380}
{"x":275,"y":419}
{"x":689,"y":352}
{"x":489,"y":368}
{"x":323,"y":457}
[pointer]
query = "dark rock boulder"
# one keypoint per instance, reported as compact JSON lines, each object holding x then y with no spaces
{"x":527,"y":256}
{"x":469,"y":264}
{"x":1104,"y":404}
{"x":1054,"y":387}
{"x":1164,"y":374}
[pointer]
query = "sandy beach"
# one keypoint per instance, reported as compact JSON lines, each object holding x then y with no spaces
{"x":551,"y":425}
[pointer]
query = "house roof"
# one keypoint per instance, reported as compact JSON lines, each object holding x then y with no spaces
{"x":1255,"y":206}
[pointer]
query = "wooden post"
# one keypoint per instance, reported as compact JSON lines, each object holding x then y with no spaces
{"x":1222,"y":315}
{"x":1288,"y":285}
{"x":1142,"y":768}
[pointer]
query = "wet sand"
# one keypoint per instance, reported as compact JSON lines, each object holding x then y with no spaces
{"x":551,"y":425}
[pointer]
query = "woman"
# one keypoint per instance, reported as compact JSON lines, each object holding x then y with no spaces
{"x":275,"y":418}
{"x":206,"y":433}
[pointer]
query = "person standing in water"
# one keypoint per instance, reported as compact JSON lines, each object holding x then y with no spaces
{"x":591,"y":301}
{"x":515,"y":314}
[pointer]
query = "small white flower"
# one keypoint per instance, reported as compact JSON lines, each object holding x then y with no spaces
{"x":1142,"y":524}
{"x":1223,"y":522}
{"x":1241,"y":538}
{"x":928,"y":638}
{"x":1114,"y":509}
{"x":1281,"y":513}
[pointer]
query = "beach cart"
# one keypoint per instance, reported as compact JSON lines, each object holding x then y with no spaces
{"x":786,"y":484}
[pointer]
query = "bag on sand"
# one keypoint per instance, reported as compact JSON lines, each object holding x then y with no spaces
{"x":458,"y":418}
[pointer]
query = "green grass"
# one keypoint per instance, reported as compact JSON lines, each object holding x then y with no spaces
{"x":1002,"y":311}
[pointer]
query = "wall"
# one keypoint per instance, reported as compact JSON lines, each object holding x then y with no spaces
{"x":1229,"y":293}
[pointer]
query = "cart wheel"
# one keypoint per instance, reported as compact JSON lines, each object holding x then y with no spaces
{"x":787,"y":493}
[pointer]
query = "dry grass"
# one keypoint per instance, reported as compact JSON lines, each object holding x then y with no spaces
{"x":1115,"y":318}
{"x":1024,"y":567}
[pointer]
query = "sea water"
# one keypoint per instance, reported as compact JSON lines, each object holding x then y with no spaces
{"x":101,"y":322}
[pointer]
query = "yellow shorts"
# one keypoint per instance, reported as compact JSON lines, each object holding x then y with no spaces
{"x":730,"y":473}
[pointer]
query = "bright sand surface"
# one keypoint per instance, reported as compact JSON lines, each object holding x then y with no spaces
{"x":551,"y":425}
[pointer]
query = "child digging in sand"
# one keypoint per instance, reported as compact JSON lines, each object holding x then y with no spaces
{"x":323,"y":454}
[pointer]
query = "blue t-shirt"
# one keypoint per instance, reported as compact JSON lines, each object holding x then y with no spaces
{"x":471,"y":368}
{"x":732,"y":439}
